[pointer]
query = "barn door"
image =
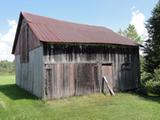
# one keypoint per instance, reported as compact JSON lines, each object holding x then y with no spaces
{"x":86,"y":78}
{"x":48,"y":81}
{"x":107,"y":72}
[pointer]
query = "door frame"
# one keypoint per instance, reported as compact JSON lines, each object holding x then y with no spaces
{"x":108,"y":64}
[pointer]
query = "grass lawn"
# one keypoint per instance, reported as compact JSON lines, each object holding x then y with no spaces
{"x":16,"y":104}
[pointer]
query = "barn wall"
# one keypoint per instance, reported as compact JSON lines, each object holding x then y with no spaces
{"x":36,"y":70}
{"x":26,"y":38}
{"x":69,"y":79}
{"x":18,"y":69}
{"x":28,"y":58}
{"x":30,"y":75}
{"x":124,"y":60}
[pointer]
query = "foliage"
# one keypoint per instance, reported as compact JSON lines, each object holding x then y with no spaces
{"x":142,"y":90}
{"x":153,"y":87}
{"x":145,"y":77}
{"x":151,"y":82}
{"x":150,"y":72}
{"x":131,"y":33}
{"x":154,"y":84}
{"x":7,"y":67}
{"x":152,"y":45}
{"x":157,"y":74}
{"x":141,"y":63}
{"x":17,"y":104}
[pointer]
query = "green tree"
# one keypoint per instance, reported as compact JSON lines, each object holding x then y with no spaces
{"x":152,"y":45}
{"x":131,"y":33}
{"x":7,"y":67}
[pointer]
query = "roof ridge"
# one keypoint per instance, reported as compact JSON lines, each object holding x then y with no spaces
{"x":59,"y":20}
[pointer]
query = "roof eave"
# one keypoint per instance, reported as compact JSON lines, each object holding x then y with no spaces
{"x":17,"y":33}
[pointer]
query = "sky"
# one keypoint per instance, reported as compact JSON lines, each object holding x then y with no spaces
{"x":113,"y":14}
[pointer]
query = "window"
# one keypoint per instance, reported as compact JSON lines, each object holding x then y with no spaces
{"x":24,"y":46}
{"x":127,"y":62}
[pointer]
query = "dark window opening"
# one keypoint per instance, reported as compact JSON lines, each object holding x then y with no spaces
{"x":24,"y":54}
{"x":127,"y":62}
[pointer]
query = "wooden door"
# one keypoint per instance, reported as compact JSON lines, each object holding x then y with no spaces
{"x":86,"y":78}
{"x":48,"y":82}
{"x":107,"y":72}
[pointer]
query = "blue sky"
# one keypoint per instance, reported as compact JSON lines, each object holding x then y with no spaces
{"x":113,"y":14}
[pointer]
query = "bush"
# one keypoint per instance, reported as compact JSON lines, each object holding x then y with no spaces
{"x":153,"y":87}
{"x":145,"y":77}
{"x":142,"y":90}
{"x":157,"y":74}
{"x":153,"y":84}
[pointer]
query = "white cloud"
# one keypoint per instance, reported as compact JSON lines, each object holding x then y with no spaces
{"x":133,"y":8}
{"x":138,"y":20}
{"x":6,"y":41}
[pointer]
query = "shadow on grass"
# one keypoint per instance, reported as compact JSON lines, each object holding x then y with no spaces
{"x":153,"y":98}
{"x":14,"y":92}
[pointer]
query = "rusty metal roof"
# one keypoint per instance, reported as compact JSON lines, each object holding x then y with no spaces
{"x":58,"y":31}
{"x":52,"y":30}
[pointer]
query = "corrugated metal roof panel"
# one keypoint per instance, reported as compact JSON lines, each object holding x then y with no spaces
{"x":51,"y":30}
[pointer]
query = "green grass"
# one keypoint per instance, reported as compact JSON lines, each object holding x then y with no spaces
{"x":7,"y":79}
{"x":17,"y":104}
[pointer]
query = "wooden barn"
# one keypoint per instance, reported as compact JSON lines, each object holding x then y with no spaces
{"x":56,"y":59}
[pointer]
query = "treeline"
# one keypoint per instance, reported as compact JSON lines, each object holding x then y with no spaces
{"x":150,"y":60}
{"x":7,"y":67}
{"x":151,"y":65}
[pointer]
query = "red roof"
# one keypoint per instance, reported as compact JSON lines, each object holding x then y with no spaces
{"x":52,"y":30}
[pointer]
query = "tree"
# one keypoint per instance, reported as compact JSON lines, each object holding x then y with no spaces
{"x":7,"y":67}
{"x":131,"y":33}
{"x":152,"y":45}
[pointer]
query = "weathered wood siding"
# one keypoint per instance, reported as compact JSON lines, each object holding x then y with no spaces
{"x":26,"y":38}
{"x":69,"y":79}
{"x":124,"y":60}
{"x":30,"y":75}
{"x":29,"y":61}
